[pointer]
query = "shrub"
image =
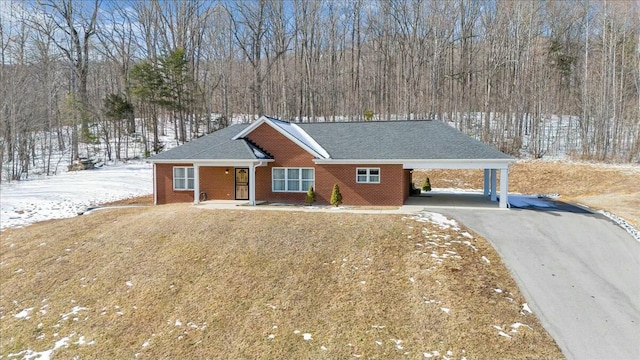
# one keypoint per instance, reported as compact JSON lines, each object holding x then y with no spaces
{"x":368,"y":114}
{"x":311,"y":196}
{"x":336,"y":197}
{"x":427,"y":185}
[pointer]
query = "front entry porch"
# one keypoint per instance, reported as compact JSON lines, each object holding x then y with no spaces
{"x":228,"y":182}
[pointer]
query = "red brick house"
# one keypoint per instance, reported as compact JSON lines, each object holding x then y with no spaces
{"x":274,"y":160}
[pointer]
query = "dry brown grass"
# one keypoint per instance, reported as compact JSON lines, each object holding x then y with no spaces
{"x":139,"y":200}
{"x":176,"y":281}
{"x":612,"y":188}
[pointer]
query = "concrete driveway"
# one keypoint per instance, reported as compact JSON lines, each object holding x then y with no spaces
{"x":580,"y":274}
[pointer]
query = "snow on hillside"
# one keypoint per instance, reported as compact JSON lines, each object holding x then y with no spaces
{"x":67,"y":194}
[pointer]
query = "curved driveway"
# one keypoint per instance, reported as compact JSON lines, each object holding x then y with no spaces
{"x":580,"y":274}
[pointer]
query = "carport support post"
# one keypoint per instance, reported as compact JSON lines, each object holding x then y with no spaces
{"x":486,"y":182}
{"x":504,"y":193}
{"x":196,"y":184}
{"x":494,"y":196}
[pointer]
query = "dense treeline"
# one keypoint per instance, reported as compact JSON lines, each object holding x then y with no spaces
{"x":543,"y":77}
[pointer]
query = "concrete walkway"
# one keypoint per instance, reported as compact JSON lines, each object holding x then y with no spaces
{"x":580,"y":274}
{"x":243,"y":205}
{"x":432,"y":200}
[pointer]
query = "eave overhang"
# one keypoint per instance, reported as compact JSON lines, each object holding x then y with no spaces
{"x":212,"y":162}
{"x":425,"y":163}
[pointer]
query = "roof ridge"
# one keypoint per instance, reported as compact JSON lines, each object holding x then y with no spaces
{"x":366,"y":122}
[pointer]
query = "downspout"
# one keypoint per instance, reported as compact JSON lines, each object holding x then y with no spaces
{"x":252,"y":181}
{"x":155,"y":185}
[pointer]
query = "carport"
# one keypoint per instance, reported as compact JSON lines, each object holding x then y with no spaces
{"x":490,"y":167}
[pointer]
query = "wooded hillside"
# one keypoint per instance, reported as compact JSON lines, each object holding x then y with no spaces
{"x":545,"y":78}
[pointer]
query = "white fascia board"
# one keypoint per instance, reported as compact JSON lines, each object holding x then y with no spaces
{"x":211,"y":162}
{"x":424,"y":163}
{"x":250,"y":128}
{"x":314,"y":144}
{"x":265,"y":120}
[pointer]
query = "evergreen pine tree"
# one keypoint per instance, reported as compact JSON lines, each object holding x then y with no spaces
{"x":311,"y":196}
{"x":427,"y":185}
{"x":336,"y":197}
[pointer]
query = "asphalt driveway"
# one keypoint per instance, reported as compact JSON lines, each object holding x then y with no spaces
{"x":579,"y":272}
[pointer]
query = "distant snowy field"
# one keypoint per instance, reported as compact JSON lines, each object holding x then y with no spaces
{"x":66,"y":194}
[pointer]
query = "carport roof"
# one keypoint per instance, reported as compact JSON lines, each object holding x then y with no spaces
{"x":411,"y":139}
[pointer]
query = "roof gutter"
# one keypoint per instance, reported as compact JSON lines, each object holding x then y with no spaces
{"x":213,"y":162}
{"x":425,"y":163}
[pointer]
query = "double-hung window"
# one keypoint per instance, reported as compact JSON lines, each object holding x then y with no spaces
{"x":183,"y":178}
{"x":368,"y":175}
{"x":291,"y":179}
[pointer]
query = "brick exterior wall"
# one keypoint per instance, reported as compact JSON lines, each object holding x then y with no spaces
{"x":286,"y":153}
{"x":213,"y":181}
{"x":217,"y":184}
{"x":393,"y":189}
{"x":164,"y":186}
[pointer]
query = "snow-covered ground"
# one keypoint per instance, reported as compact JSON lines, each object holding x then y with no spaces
{"x":67,"y":194}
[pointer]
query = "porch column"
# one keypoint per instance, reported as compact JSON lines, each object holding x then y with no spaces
{"x":252,"y":184}
{"x":196,"y":184}
{"x":504,"y":193}
{"x":486,"y":182}
{"x":494,"y":196}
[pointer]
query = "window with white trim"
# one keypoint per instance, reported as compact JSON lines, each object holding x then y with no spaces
{"x":183,"y":178}
{"x":368,"y":175}
{"x":292,"y":179}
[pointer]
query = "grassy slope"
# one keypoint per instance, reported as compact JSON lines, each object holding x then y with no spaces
{"x":218,"y":283}
{"x":615,"y":189}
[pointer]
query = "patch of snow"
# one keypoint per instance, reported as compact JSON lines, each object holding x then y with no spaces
{"x":24,"y":314}
{"x":323,"y":348}
{"x":502,"y":333}
{"x":445,"y":310}
{"x":129,"y":283}
{"x":74,"y":311}
{"x":306,"y":336}
{"x":438,"y":219}
{"x":623,"y":223}
{"x":178,"y":323}
{"x":271,"y":336}
{"x":42,"y":355}
{"x":525,"y":307}
{"x":517,"y":325}
{"x":68,"y":194}
{"x":484,"y":258}
{"x":469,"y":244}
{"x":499,"y":291}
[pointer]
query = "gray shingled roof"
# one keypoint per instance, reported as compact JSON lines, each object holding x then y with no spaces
{"x":429,"y":140}
{"x":384,"y":140}
{"x":215,"y":146}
